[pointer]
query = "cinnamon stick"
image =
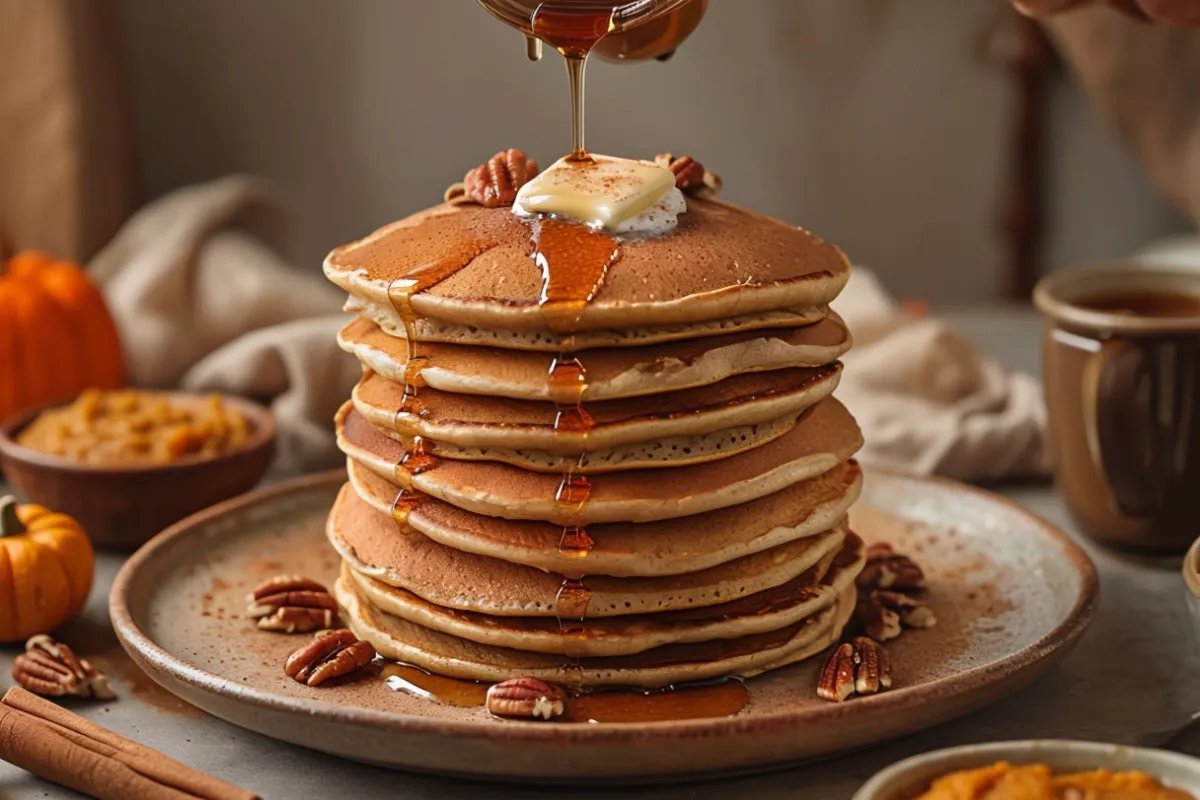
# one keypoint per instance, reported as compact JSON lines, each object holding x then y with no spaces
{"x":54,"y":744}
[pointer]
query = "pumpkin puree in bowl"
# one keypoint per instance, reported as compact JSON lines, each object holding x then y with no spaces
{"x":132,"y":428}
{"x":1004,"y":781}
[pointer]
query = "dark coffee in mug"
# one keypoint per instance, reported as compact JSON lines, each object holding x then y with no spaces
{"x":1122,"y":377}
{"x":1145,"y":304}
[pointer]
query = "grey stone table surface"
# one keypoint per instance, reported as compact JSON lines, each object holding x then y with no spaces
{"x":1133,"y":676}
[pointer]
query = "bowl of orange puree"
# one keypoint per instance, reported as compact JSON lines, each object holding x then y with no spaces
{"x":1039,"y":770}
{"x":129,"y":463}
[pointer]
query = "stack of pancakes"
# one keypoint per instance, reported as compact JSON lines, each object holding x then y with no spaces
{"x":654,"y":492}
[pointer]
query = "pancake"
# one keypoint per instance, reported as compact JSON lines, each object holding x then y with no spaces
{"x":810,"y":593}
{"x":384,"y":315}
{"x":373,"y":545}
{"x":613,"y":373}
{"x":824,"y":436}
{"x":647,"y":549}
{"x":455,"y":657}
{"x":729,"y":269}
{"x":680,"y":428}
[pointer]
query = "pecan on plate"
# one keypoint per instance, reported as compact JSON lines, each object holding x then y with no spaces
{"x":494,"y":183}
{"x":690,"y":176}
{"x":887,"y":569}
{"x":52,"y":669}
{"x":526,"y":698}
{"x":334,"y":654}
{"x":855,"y":669}
{"x":885,"y":614}
{"x":292,"y":604}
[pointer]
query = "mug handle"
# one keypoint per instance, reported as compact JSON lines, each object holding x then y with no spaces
{"x":1114,"y":410}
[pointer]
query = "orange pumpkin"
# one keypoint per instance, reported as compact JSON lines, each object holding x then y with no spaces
{"x":46,"y":568}
{"x":56,"y":335}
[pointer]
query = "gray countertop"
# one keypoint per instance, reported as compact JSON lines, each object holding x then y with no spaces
{"x":1132,"y":677}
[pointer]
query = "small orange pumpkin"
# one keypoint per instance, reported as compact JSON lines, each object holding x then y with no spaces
{"x":46,"y":569}
{"x":56,"y":335}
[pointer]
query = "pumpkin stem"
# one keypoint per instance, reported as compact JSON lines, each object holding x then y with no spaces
{"x":10,"y":523}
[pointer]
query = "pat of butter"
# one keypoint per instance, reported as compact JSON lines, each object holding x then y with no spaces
{"x":603,"y":194}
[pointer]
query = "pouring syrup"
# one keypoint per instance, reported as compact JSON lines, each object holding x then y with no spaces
{"x":618,"y":32}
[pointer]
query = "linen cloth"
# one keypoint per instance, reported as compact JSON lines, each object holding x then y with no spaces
{"x":928,"y":401}
{"x":205,"y":302}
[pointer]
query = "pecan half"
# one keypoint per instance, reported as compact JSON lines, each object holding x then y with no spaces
{"x":855,"y":669}
{"x":690,"y":176}
{"x":837,"y":678}
{"x":331,"y":655}
{"x":292,"y":604}
{"x":526,"y":698}
{"x":52,"y":669}
{"x":885,"y":614}
{"x":495,"y":183}
{"x":887,"y":569}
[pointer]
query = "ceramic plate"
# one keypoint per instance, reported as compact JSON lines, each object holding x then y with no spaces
{"x":1011,"y":593}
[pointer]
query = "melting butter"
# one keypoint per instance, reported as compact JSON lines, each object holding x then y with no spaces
{"x":604,"y":193}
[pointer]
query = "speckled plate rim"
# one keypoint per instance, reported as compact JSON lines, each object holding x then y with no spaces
{"x":144,"y":650}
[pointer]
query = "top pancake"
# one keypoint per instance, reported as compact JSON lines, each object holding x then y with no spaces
{"x":722,"y":263}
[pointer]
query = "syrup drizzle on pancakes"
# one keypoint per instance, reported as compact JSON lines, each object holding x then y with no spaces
{"x":574,"y":261}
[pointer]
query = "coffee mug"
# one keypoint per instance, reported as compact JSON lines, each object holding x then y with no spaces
{"x":1121,"y":361}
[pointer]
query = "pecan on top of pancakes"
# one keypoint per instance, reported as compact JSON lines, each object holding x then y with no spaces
{"x":494,"y":183}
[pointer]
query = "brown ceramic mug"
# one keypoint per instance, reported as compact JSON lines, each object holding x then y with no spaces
{"x":1121,"y":361}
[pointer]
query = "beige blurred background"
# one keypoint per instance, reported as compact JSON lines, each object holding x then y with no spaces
{"x":870,"y":121}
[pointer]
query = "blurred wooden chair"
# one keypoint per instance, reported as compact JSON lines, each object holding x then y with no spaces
{"x":1022,"y":49}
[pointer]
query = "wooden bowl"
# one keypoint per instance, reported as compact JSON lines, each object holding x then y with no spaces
{"x":123,"y":507}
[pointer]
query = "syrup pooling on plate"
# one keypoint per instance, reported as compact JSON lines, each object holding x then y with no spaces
{"x":420,"y":683}
{"x":722,"y":698}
